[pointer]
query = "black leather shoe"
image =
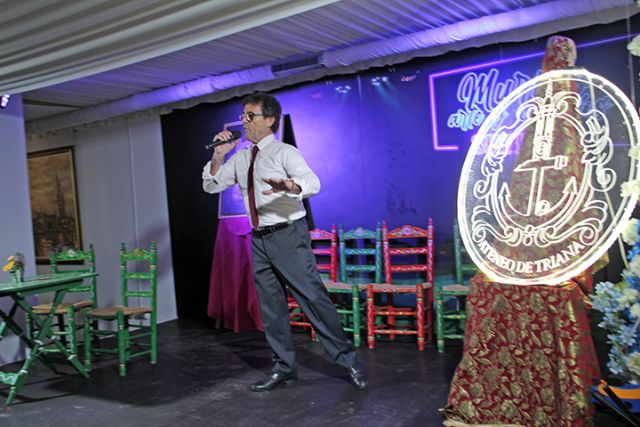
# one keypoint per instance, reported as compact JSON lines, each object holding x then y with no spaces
{"x":272,"y":381}
{"x":358,"y":376}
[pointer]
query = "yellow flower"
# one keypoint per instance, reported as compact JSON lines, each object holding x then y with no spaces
{"x":9,"y":266}
{"x":15,"y":262}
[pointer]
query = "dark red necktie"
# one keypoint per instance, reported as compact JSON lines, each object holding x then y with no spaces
{"x":250,"y":189}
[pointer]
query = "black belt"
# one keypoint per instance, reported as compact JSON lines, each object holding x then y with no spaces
{"x":263,"y":231}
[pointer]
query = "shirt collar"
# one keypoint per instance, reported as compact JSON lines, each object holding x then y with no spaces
{"x":264,"y":142}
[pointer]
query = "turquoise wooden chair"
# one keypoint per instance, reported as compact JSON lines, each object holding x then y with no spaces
{"x":451,"y":299}
{"x":360,"y":263}
{"x":417,"y":243}
{"x":136,"y":326}
{"x":80,"y":299}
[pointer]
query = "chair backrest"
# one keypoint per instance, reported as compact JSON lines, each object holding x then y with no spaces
{"x":411,"y":241}
{"x":138,"y":266}
{"x":77,"y":260}
{"x":464,"y":266}
{"x":325,"y":244}
{"x":360,"y":251}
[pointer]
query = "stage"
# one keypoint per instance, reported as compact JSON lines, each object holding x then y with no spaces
{"x":203,"y":377}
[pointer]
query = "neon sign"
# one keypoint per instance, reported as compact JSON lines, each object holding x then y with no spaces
{"x":478,"y":88}
{"x":479,"y":93}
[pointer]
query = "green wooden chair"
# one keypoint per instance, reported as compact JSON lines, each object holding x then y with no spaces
{"x":136,"y":330}
{"x":451,"y":299}
{"x":80,"y":299}
{"x":360,"y":262}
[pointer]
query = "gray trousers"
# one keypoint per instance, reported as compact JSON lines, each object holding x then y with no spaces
{"x":283,"y":259}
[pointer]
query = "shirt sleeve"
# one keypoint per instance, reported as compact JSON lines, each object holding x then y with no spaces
{"x":223,"y":179}
{"x":297,"y":169}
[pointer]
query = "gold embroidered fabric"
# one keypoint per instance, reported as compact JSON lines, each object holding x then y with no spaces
{"x":528,"y":358}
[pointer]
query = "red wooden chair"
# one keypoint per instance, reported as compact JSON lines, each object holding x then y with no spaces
{"x":324,"y":245}
{"x":423,"y":290}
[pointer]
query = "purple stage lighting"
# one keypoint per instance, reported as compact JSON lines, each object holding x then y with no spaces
{"x":4,"y":100}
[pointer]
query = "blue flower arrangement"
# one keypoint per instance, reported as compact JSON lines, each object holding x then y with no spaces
{"x":620,"y":306}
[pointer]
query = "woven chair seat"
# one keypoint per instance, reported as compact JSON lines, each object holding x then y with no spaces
{"x":338,"y":285}
{"x":455,"y":288}
{"x":392,"y":288}
{"x":111,"y":312}
{"x":62,"y":308}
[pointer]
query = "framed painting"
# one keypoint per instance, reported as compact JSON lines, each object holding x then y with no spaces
{"x":54,"y":202}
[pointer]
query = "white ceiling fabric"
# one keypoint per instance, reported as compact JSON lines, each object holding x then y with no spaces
{"x":244,"y":39}
{"x":528,"y":23}
{"x":65,"y":40}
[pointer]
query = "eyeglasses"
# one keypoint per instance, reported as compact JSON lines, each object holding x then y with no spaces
{"x":249,"y":116}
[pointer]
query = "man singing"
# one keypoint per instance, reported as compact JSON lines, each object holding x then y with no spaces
{"x":273,"y":179}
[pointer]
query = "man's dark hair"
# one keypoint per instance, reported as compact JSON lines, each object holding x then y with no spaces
{"x":270,"y":106}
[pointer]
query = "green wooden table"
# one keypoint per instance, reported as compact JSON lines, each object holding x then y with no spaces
{"x":58,"y":284}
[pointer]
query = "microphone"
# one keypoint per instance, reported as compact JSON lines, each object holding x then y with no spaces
{"x":213,"y":144}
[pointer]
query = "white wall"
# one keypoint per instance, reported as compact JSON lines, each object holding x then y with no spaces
{"x":122,"y":198}
{"x":16,"y":234}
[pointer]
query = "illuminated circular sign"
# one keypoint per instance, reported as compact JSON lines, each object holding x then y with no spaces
{"x":544,"y":190}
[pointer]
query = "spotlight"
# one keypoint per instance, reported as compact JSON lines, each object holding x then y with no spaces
{"x":343,"y":89}
{"x":4,"y":100}
{"x":408,"y":78}
{"x":377,"y":81}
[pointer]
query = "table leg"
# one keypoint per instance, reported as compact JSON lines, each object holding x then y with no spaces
{"x":27,"y":338}
{"x":45,"y":331}
{"x":3,"y":325}
{"x":16,"y":380}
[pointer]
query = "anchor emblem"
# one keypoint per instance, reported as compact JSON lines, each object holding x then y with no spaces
{"x":539,"y":198}
{"x":540,"y":221}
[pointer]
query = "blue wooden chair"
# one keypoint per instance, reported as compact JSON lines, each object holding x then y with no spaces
{"x":360,"y":263}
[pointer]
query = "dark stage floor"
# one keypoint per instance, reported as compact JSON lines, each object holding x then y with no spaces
{"x":203,"y":378}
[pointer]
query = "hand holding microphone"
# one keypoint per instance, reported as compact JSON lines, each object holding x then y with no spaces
{"x":223,"y":142}
{"x":222,"y":138}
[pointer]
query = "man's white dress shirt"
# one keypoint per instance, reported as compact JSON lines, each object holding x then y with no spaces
{"x":274,"y":160}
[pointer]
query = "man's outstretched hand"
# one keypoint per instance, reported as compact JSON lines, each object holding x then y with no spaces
{"x":278,"y":185}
